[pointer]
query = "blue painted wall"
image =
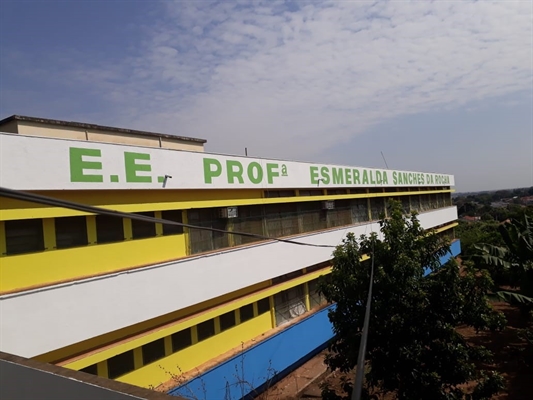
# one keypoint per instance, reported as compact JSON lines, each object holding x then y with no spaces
{"x":276,"y":355}
{"x":261,"y":362}
{"x":455,"y":250}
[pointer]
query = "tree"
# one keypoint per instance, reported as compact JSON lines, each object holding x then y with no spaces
{"x":413,"y":349}
{"x":514,"y":258}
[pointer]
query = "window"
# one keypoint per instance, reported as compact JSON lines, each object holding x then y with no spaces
{"x":377,"y":207}
{"x":153,"y":351}
{"x":91,"y":369}
{"x":227,"y":321}
{"x":120,"y":364}
{"x":142,"y":229}
{"x":360,"y":210}
{"x":341,"y":215}
{"x":263,"y":306}
{"x":406,"y":206}
{"x":181,"y":339}
{"x":247,"y":312}
{"x":282,"y":219}
{"x":206,"y":329}
{"x":289,"y":304}
{"x":312,"y":216}
{"x":71,"y":232}
{"x":336,"y":191}
{"x":172,"y":215}
{"x":24,"y":236}
{"x":315,"y":298}
{"x":250,"y":220}
{"x":279,"y":193}
{"x":203,"y":240}
{"x":312,"y":192}
{"x":109,"y":229}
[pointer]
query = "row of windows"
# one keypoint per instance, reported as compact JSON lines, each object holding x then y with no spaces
{"x":288,"y":305}
{"x":26,"y":236}
{"x":286,"y":219}
{"x":272,"y":220}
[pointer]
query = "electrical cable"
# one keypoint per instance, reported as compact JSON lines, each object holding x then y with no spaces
{"x":37,"y":198}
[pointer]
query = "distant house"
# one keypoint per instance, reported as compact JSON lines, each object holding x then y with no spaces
{"x":468,"y":218}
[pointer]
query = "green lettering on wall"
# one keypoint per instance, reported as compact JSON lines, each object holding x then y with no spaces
{"x":338,"y":177}
{"x":385,"y":178}
{"x":212,"y":169}
{"x":394,"y":178}
{"x":348,"y":176}
{"x":132,"y":167}
{"x":314,"y":175}
{"x":257,"y":176}
{"x":272,"y":172}
{"x":365,"y":177}
{"x":324,"y":171}
{"x":356,"y":178}
{"x":78,"y":165}
{"x":235,"y":170}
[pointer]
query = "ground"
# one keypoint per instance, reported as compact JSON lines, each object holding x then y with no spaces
{"x":304,"y":382}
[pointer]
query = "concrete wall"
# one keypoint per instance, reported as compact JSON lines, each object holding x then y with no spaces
{"x":66,"y":132}
{"x":80,"y":310}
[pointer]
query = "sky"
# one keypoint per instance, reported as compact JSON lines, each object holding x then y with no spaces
{"x":442,"y":86}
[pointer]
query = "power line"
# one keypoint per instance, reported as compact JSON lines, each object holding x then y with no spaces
{"x":40,"y":199}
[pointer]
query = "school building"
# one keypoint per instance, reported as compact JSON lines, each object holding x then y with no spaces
{"x":199,"y":313}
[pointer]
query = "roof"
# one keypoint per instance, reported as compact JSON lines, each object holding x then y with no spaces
{"x":99,"y":127}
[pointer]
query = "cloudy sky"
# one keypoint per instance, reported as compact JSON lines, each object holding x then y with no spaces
{"x":443,"y":86}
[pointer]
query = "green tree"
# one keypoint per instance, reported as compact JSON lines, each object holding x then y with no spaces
{"x":413,"y":348}
{"x":514,"y":258}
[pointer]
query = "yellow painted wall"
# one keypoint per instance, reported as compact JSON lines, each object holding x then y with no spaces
{"x":47,"y":267}
{"x":197,"y":354}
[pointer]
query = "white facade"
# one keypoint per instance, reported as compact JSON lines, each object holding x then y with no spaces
{"x":81,"y":310}
{"x":61,"y":164}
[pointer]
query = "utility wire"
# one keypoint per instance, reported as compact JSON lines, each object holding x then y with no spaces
{"x":360,"y":370}
{"x":40,"y":199}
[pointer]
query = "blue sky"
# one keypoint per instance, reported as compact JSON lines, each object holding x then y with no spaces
{"x":437,"y":86}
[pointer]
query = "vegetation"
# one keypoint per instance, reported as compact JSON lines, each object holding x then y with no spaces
{"x":414,"y":350}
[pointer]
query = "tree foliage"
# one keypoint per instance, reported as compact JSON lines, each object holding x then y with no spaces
{"x":413,"y":348}
{"x":514,"y":259}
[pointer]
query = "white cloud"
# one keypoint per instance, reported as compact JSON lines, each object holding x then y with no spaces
{"x":289,"y":79}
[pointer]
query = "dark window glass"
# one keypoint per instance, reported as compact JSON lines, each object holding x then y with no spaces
{"x":71,"y":232}
{"x":120,"y":364}
{"x":312,"y":192}
{"x":250,"y":220}
{"x":24,"y":236}
{"x":204,"y":240}
{"x":247,"y":312}
{"x":312,"y":216}
{"x":181,"y":339}
{"x":91,"y":369}
{"x":289,"y":304}
{"x":279,"y":193}
{"x":172,"y":215}
{"x":227,"y":320}
{"x":377,"y":207}
{"x":282,"y":219}
{"x":153,"y":351}
{"x":142,"y":229}
{"x":206,"y":329}
{"x":263,"y":306}
{"x":109,"y":229}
